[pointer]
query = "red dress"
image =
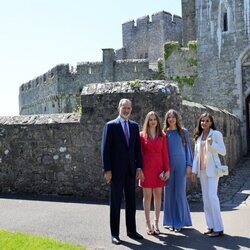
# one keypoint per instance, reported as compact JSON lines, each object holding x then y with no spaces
{"x":154,"y":160}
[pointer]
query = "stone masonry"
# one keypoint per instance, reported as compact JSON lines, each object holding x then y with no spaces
{"x":60,"y":153}
{"x":146,"y":38}
{"x":223,"y":34}
{"x":58,"y":90}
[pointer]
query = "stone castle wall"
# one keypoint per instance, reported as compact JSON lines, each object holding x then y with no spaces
{"x":181,"y":67}
{"x":189,"y":24}
{"x":224,"y":48}
{"x":58,"y":90}
{"x":60,"y":153}
{"x":223,"y":34}
{"x":146,"y":38}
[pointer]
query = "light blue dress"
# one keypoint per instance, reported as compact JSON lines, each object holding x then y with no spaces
{"x":175,"y":205}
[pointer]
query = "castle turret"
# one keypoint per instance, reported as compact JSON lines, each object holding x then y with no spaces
{"x":108,"y":64}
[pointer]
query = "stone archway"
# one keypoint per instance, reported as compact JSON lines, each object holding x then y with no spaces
{"x":246,"y":95}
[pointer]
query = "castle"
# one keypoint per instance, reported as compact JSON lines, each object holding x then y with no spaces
{"x":222,"y":31}
{"x":58,"y":90}
{"x":55,"y":153}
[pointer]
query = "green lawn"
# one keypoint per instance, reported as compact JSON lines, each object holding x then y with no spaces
{"x":21,"y":241}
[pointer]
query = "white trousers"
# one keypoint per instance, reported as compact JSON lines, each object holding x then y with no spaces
{"x":211,"y":203}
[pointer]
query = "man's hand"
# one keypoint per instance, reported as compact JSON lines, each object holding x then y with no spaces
{"x":108,"y":176}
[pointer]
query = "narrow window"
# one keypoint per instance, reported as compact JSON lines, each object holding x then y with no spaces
{"x":135,"y":68}
{"x":146,"y":55}
{"x":225,"y":22}
{"x":90,"y":71}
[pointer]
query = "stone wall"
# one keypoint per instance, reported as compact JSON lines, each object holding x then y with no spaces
{"x":225,"y":49}
{"x":58,"y":90}
{"x":60,"y":153}
{"x":181,"y":67}
{"x":146,"y":38}
{"x":223,"y":36}
{"x":189,"y":24}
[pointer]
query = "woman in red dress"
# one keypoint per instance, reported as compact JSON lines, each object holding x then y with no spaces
{"x":155,"y":168}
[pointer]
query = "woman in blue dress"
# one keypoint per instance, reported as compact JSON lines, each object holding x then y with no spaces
{"x":175,"y":205}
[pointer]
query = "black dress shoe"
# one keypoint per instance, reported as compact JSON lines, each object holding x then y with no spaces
{"x":209,"y":231}
{"x":116,"y":240}
{"x":135,"y":236}
{"x":216,"y":234}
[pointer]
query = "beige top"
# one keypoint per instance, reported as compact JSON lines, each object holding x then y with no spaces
{"x":203,"y":155}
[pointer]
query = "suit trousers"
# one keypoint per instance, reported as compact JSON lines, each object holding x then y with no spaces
{"x":211,"y":203}
{"x":117,"y":188}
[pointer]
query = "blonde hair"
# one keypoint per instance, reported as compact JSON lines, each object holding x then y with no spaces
{"x":145,"y":127}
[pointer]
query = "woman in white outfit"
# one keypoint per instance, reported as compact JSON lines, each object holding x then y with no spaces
{"x":208,"y":144}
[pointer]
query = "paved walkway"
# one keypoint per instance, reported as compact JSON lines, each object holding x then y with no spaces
{"x":87,"y":223}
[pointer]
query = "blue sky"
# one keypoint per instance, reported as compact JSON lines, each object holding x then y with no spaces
{"x":36,"y":35}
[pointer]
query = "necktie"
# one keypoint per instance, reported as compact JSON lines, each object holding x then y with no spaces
{"x":126,"y":131}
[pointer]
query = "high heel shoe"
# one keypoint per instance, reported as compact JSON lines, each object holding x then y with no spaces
{"x":149,"y":230}
{"x":156,"y":228}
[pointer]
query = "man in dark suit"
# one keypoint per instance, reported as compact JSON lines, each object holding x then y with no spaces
{"x":121,"y":157}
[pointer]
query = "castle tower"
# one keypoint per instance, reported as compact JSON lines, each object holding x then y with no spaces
{"x":223,"y":53}
{"x":188,"y":17}
{"x":108,"y":64}
{"x":145,"y":40}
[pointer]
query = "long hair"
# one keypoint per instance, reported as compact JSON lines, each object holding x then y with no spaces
{"x":178,"y":124}
{"x":198,"y":130}
{"x":145,"y":127}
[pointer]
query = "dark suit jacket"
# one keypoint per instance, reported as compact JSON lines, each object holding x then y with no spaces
{"x":117,"y":156}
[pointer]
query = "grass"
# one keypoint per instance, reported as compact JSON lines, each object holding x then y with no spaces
{"x":21,"y":241}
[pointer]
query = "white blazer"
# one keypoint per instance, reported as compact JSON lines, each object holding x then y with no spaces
{"x":217,"y":147}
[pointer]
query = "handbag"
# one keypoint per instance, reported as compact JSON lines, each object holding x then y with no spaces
{"x":221,"y":170}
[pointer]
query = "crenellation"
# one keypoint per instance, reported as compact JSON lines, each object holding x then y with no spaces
{"x":177,"y":19}
{"x":162,"y":15}
{"x":146,"y":39}
{"x":142,"y":22}
{"x":129,"y":25}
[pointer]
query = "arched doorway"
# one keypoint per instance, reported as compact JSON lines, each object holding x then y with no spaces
{"x":246,"y":96}
{"x":248,"y":122}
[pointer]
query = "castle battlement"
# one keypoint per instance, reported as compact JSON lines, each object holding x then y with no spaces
{"x":142,"y":22}
{"x":88,"y":63}
{"x":162,"y":15}
{"x":132,"y":61}
{"x":46,"y":78}
{"x":146,"y":38}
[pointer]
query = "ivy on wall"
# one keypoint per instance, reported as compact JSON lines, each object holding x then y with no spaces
{"x":161,"y":71}
{"x":169,"y":47}
{"x":135,"y":85}
{"x":192,"y":45}
{"x":185,"y":80}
